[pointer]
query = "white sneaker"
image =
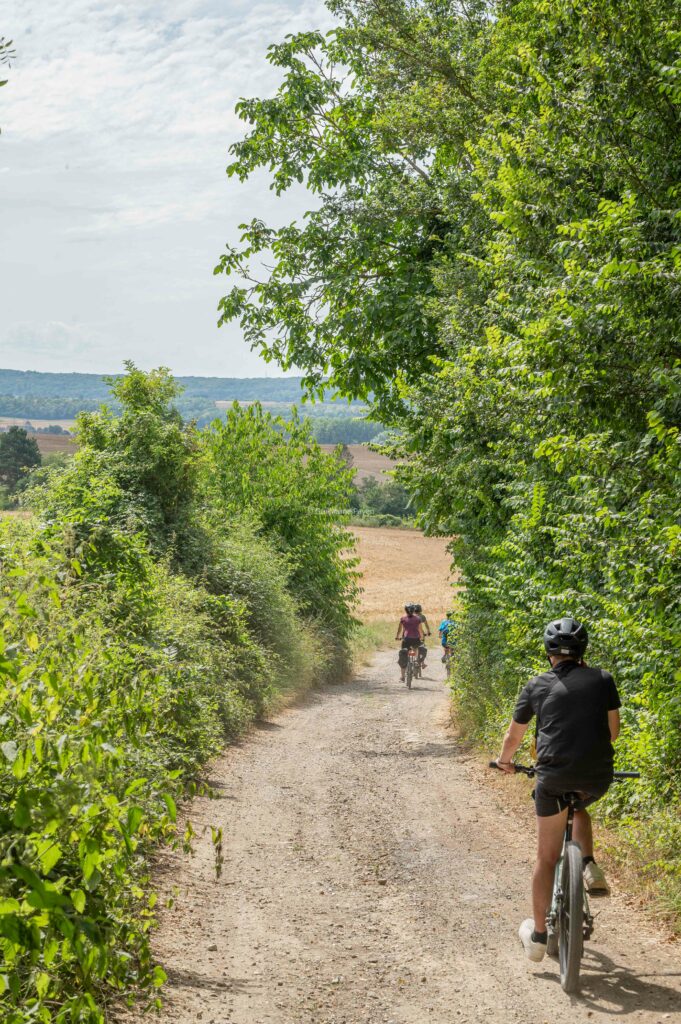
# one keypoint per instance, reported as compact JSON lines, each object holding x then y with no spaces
{"x":533,"y":950}
{"x":594,"y":880}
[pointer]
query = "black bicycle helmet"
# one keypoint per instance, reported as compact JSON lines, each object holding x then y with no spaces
{"x":409,"y":609}
{"x":566,"y":636}
{"x":418,"y":609}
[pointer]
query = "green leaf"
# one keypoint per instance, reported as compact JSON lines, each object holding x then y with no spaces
{"x":158,"y":976}
{"x":42,"y":984}
{"x":135,"y":817}
{"x":170,"y":804}
{"x":49,"y":853}
{"x":134,"y":786}
{"x":78,"y":899}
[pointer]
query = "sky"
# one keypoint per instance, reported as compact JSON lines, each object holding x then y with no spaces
{"x":114,"y":202}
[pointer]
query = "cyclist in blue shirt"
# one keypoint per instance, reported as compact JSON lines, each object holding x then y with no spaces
{"x":446,"y":628}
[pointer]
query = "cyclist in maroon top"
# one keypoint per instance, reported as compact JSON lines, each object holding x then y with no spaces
{"x":410,"y":632}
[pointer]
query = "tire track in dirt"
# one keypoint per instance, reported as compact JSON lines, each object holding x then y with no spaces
{"x":372,"y":874}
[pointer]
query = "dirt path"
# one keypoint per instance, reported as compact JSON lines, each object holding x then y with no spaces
{"x":372,"y":875}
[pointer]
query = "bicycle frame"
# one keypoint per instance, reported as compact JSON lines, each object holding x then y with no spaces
{"x":557,"y":894}
{"x":410,"y":670}
{"x":566,"y":933}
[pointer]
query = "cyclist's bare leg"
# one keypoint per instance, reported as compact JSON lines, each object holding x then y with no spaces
{"x":549,"y":844}
{"x":583,"y":833}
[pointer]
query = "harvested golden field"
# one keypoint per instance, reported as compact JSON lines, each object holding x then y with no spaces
{"x":399,"y":566}
{"x":365,"y":462}
{"x":14,"y":421}
{"x":49,"y":443}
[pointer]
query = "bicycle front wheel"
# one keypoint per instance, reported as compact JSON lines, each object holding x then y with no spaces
{"x":571,"y":918}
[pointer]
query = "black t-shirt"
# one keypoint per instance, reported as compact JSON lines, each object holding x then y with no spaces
{"x":571,"y":703}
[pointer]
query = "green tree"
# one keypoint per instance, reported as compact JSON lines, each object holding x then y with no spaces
{"x":383,"y":497}
{"x":298,"y":496}
{"x":493,"y":252}
{"x":134,"y":471}
{"x":349,"y":294}
{"x":19,"y":454}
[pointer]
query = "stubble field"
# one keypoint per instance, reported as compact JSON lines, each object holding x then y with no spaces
{"x":365,"y":462}
{"x":400,"y":566}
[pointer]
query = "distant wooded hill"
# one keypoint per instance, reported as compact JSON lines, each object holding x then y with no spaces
{"x":30,"y":395}
{"x":31,"y":384}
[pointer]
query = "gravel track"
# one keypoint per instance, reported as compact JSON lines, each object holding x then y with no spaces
{"x":375,"y":873}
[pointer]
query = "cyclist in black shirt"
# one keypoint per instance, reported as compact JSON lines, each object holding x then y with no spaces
{"x":577,"y":722}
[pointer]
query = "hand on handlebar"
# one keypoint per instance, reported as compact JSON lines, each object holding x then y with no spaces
{"x":511,"y":768}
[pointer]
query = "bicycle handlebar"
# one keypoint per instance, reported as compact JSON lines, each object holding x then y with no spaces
{"x":531,"y":771}
{"x":523,"y":769}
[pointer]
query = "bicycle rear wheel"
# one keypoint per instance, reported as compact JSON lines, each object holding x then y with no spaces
{"x":409,"y":673}
{"x":571,"y":918}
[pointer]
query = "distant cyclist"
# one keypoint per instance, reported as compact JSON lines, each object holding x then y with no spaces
{"x":410,"y":632}
{"x":423,"y":650}
{"x":577,"y":722}
{"x":446,"y":631}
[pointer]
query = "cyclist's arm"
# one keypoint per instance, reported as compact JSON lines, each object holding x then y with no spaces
{"x":512,"y":740}
{"x":614,"y":724}
{"x":400,"y":629}
{"x":427,"y":625}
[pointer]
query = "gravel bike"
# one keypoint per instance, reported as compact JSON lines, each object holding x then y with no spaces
{"x":569,"y":920}
{"x":413,"y":667}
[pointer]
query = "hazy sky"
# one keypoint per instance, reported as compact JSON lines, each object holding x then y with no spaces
{"x":114,"y":204}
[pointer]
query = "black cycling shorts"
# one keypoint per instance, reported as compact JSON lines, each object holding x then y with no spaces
{"x":548,"y":801}
{"x":402,"y":655}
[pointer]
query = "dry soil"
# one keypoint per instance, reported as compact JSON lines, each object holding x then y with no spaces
{"x":365,"y":462}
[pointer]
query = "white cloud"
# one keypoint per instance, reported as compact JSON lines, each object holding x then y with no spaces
{"x":52,"y":340}
{"x":115,"y":128}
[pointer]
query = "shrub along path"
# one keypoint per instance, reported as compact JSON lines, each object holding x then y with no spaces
{"x":372,"y":874}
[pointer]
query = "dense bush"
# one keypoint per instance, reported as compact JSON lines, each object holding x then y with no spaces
{"x":295,"y":494}
{"x":493,"y":254}
{"x":344,"y":430}
{"x":141,"y":627}
{"x":381,"y":498}
{"x":19,"y":454}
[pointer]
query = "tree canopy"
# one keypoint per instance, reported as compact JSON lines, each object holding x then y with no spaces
{"x":493,"y":252}
{"x":19,"y":453}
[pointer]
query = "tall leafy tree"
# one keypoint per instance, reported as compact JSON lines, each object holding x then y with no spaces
{"x":494,"y":256}
{"x":348,"y":296}
{"x":19,"y":454}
